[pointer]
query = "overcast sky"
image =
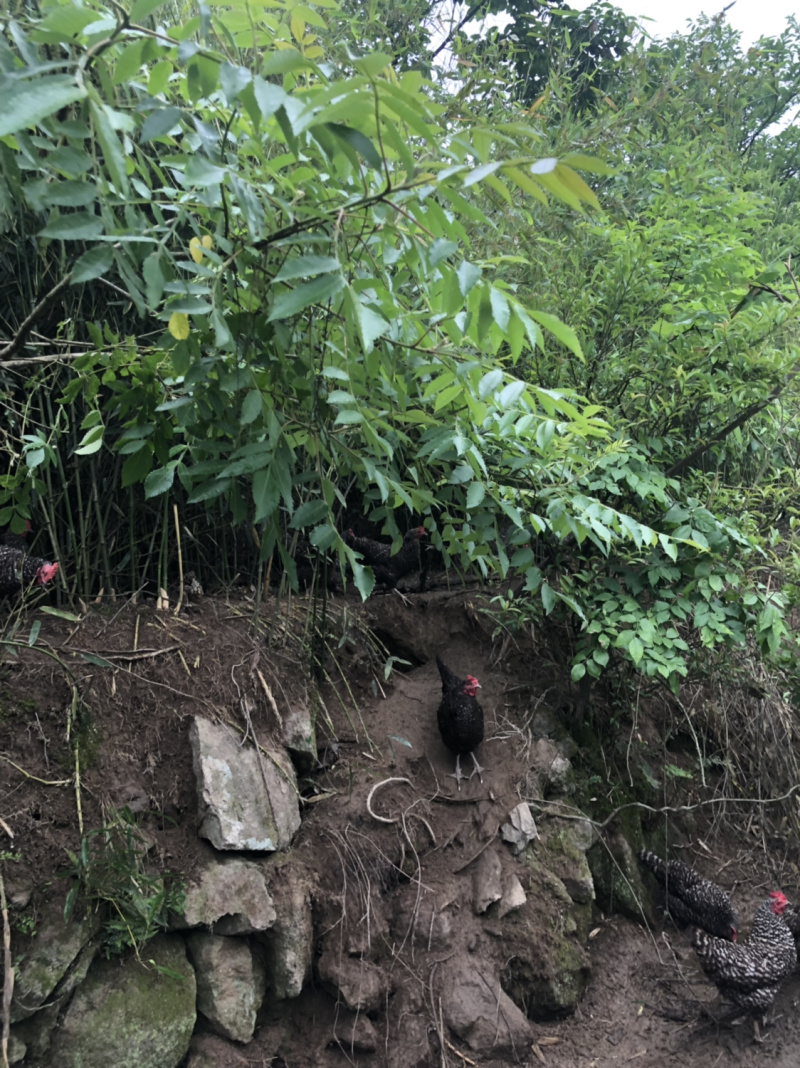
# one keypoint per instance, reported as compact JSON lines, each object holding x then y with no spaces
{"x":753,"y":18}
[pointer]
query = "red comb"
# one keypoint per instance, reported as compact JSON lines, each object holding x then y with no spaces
{"x":46,"y":573}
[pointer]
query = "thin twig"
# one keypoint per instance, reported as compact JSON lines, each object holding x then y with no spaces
{"x":8,"y":973}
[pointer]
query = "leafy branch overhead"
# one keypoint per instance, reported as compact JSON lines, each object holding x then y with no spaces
{"x":291,"y":270}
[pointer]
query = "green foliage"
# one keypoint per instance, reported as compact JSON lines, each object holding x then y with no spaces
{"x":578,"y":52}
{"x":298,"y":232}
{"x":313,"y":274}
{"x":109,"y":870}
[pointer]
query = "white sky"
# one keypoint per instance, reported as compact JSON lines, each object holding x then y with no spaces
{"x":753,"y":18}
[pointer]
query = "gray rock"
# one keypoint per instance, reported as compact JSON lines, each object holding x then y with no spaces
{"x":514,"y":896}
{"x":554,"y":769}
{"x":477,"y":1009}
{"x":231,"y":898}
{"x":290,"y":940}
{"x":37,"y":1030}
{"x":130,"y":1015}
{"x":247,"y":799}
{"x":520,"y":829}
{"x":300,"y":736}
{"x":46,"y":959}
{"x":617,"y":876}
{"x":362,"y":986}
{"x":230,"y":983}
{"x":564,"y":843}
{"x":549,"y":969}
{"x":16,"y":1049}
{"x":487,"y":881}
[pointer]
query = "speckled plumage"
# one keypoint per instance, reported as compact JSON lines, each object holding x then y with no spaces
{"x":690,"y":898}
{"x":388,"y":569}
{"x":750,"y":974}
{"x":18,"y":571}
{"x":460,"y":716}
{"x":17,"y":541}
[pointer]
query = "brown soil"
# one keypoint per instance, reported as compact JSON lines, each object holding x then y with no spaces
{"x":645,"y":1000}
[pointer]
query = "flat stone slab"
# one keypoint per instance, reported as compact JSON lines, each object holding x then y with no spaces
{"x":230,"y":897}
{"x":247,"y":800}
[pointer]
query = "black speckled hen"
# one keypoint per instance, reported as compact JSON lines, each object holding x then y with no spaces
{"x":18,"y":570}
{"x":460,"y":718}
{"x":388,"y":569}
{"x":18,"y":541}
{"x":691,"y":899}
{"x":751,"y":974}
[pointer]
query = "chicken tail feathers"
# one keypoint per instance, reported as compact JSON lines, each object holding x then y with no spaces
{"x":654,"y":863}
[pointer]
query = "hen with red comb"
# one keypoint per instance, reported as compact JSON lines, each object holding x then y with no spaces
{"x":18,"y":570}
{"x":388,"y":569}
{"x":460,"y":718}
{"x":751,"y":973}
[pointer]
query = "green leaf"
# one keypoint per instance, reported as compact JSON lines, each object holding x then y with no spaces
{"x":565,"y":334}
{"x":142,"y":8}
{"x":79,"y":226}
{"x":91,"y":442}
{"x":307,"y":267}
{"x":61,"y":613}
{"x":373,"y":64}
{"x":104,"y":120}
{"x":269,"y":97}
{"x":364,"y":579}
{"x":358,"y":141}
{"x":251,"y":407}
{"x":468,"y":276}
{"x":201,"y":171}
{"x":548,"y":598}
{"x":636,"y":650}
{"x":159,"y":122}
{"x":481,"y":172}
{"x":233,"y":80}
{"x":295,"y":300}
{"x":475,"y":495}
{"x":98,"y":661}
{"x":159,"y":481}
{"x":284,"y":61}
{"x":369,"y":323}
{"x":490,"y":382}
{"x":92,"y":264}
{"x":26,"y":102}
{"x":34,"y":634}
{"x":309,"y":514}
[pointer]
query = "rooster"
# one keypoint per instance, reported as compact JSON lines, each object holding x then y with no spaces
{"x":751,"y":974}
{"x":460,"y":718}
{"x":691,"y":899}
{"x":18,"y":570}
{"x":388,"y":569}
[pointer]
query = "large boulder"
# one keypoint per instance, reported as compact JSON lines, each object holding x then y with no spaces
{"x":130,"y":1015}
{"x":549,"y":968}
{"x":247,"y":798}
